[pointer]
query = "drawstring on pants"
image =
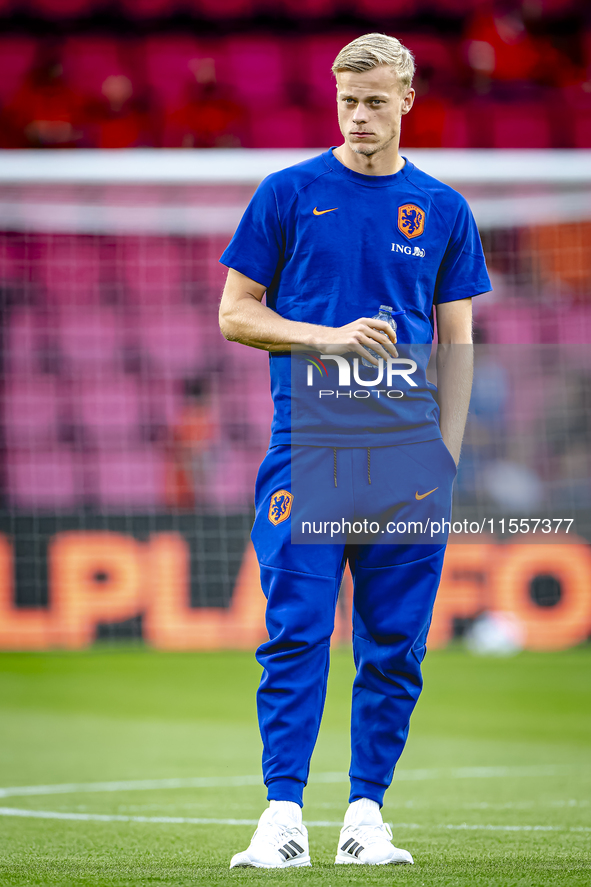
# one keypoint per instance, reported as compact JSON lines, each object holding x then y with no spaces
{"x":334,"y":465}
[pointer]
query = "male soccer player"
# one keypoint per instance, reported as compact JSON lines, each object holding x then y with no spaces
{"x":328,"y":240}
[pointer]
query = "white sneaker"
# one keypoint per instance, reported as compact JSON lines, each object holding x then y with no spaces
{"x":280,"y":841}
{"x":366,"y":840}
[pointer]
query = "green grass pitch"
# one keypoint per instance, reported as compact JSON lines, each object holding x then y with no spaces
{"x":493,"y":788}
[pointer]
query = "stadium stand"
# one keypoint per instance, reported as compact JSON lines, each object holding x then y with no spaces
{"x":121,"y":393}
{"x":255,"y":74}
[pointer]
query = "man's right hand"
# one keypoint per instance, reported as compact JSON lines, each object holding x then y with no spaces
{"x":358,"y":336}
{"x":244,"y":319}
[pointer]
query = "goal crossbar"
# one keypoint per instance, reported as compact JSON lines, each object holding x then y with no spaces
{"x":243,"y":165}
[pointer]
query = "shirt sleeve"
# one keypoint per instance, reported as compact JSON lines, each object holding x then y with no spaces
{"x":258,"y":245}
{"x":462,"y":273}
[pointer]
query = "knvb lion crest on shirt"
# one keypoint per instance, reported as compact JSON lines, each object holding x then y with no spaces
{"x":411,"y":220}
{"x":280,"y":506}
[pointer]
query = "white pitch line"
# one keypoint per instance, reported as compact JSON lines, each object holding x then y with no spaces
{"x":187,"y":820}
{"x":132,"y":785}
{"x":107,"y":817}
{"x":237,"y":781}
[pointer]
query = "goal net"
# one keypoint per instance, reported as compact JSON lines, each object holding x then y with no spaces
{"x":132,"y":430}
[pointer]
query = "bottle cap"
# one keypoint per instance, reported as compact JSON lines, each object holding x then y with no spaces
{"x":386,"y":308}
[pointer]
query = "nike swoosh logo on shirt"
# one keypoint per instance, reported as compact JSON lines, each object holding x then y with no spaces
{"x":424,"y":494}
{"x":320,"y":212}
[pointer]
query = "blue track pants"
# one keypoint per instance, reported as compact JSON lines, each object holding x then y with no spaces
{"x":394,"y":592}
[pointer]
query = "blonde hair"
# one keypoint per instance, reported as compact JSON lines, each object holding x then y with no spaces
{"x":372,"y":50}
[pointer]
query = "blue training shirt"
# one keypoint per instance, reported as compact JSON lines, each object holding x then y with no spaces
{"x":331,"y":245}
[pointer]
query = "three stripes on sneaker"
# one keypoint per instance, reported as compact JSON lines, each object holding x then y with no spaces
{"x":291,"y":850}
{"x":352,"y":847}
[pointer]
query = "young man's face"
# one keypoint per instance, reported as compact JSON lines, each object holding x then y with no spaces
{"x":370,"y":107}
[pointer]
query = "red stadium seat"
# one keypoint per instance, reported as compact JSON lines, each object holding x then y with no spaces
{"x":520,"y":126}
{"x":9,"y":264}
{"x":232,"y":477}
{"x":90,"y":341}
{"x":89,"y":60}
{"x":44,"y":481}
{"x":508,"y":125}
{"x":132,"y":480}
{"x":152,"y":269}
{"x":174,"y":343}
{"x":385,"y":9}
{"x":167,"y":60}
{"x":456,"y":131}
{"x":281,"y":127}
{"x":254,"y":69}
{"x":108,"y":411}
{"x":162,"y":401}
{"x":435,"y":123}
{"x":453,"y":7}
{"x":253,"y":407}
{"x":147,"y":9}
{"x":586,"y":39}
{"x":572,"y":114}
{"x":221,"y":9}
{"x":63,"y":9}
{"x":507,"y":323}
{"x":569,"y":327}
{"x":260,"y":409}
{"x":311,"y":9}
{"x":433,"y":55}
{"x":28,"y":255}
{"x":528,"y":400}
{"x":69,"y":270}
{"x":16,"y":58}
{"x":582,"y":128}
{"x":321,"y":127}
{"x":25,"y":342}
{"x":31,"y":411}
{"x":558,"y":7}
{"x":245,"y":397}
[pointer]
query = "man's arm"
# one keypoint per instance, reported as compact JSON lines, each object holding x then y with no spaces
{"x":455,"y":364}
{"x":243,"y":318}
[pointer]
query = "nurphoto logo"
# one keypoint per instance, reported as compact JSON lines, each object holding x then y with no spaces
{"x":394,"y":368}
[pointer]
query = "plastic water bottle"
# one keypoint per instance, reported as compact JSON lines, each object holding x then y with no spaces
{"x":385,"y":313}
